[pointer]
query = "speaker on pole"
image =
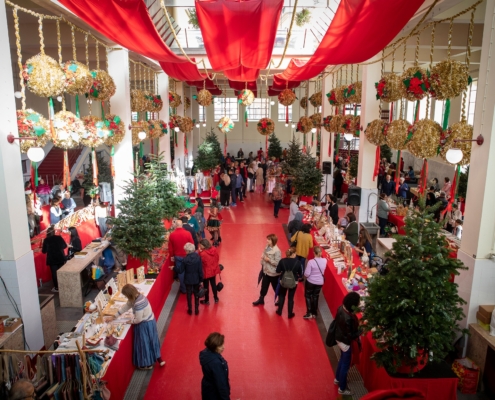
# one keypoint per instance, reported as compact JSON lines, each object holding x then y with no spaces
{"x":354,"y":196}
{"x":326,"y":167}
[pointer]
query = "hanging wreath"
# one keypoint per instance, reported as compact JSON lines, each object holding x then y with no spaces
{"x":138,"y":100}
{"x":265,"y":126}
{"x":68,"y":130}
{"x":304,"y":125}
{"x":154,"y":102}
{"x":32,"y":124}
{"x":44,"y":76}
{"x":139,"y":126}
{"x":174,"y":100}
{"x":187,"y":102}
{"x":397,"y":134}
{"x":103,"y":86}
{"x":315,"y":99}
{"x":78,"y":79}
{"x":286,"y":97}
{"x":425,"y":138}
{"x":157,"y":128}
{"x":95,"y":131}
{"x":245,"y":97}
{"x":225,"y":125}
{"x":326,"y":123}
{"x":116,"y":129}
{"x":353,"y":92}
{"x":174,"y":121}
{"x":303,"y":102}
{"x":351,"y":123}
{"x":316,"y":120}
{"x":462,"y":131}
{"x":336,"y":97}
{"x":336,"y":124}
{"x":390,"y":88}
{"x":186,"y":124}
{"x":448,"y":79}
{"x":375,"y":132}
{"x":416,"y":83}
{"x":204,"y":98}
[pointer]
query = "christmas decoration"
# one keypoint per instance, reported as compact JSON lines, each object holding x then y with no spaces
{"x":307,"y":180}
{"x":353,"y":167}
{"x":116,"y":128}
{"x":274,"y":148}
{"x":204,"y":98}
{"x":375,"y":132}
{"x":303,"y":102}
{"x":337,"y":123}
{"x":157,"y":128}
{"x":138,"y":100}
{"x":265,"y":126}
{"x":462,"y":131}
{"x":103,"y":86}
{"x":397,"y":134}
{"x":174,"y":121}
{"x":68,"y":130}
{"x":336,"y":97}
{"x":291,"y":162}
{"x":104,"y":173}
{"x":95,"y":131}
{"x":327,"y":123}
{"x":209,"y":153}
{"x":245,"y":97}
{"x":78,"y":79}
{"x":286,"y":97}
{"x":225,"y":125}
{"x":32,"y":124}
{"x":315,"y":99}
{"x":416,"y":83}
{"x":425,"y":138}
{"x":187,"y":102}
{"x":353,"y":92}
{"x":136,"y":127}
{"x":174,"y":100}
{"x":186,"y":124}
{"x":44,"y":76}
{"x":351,"y":123}
{"x":304,"y":125}
{"x":390,"y":88}
{"x":316,"y":120}
{"x":448,"y":79}
{"x":413,"y":311}
{"x":154,"y":102}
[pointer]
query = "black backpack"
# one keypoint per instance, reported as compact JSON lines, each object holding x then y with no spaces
{"x":288,"y":280}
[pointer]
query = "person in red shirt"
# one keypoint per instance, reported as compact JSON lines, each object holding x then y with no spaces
{"x":176,"y":241}
{"x":260,"y":153}
{"x":211,"y":268}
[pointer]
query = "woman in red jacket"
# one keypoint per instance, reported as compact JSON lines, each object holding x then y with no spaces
{"x":209,"y":259}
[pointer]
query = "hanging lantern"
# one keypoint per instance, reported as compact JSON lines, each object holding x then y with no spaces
{"x":157,"y":128}
{"x":326,"y":123}
{"x":448,"y":79}
{"x":95,"y":133}
{"x":204,"y":98}
{"x":187,"y":102}
{"x":174,"y":100}
{"x":32,"y":124}
{"x":304,"y":125}
{"x":462,"y":131}
{"x":225,"y":125}
{"x":316,"y":120}
{"x":103,"y":86}
{"x":397,"y":134}
{"x":353,"y":92}
{"x":375,"y":132}
{"x":138,"y":100}
{"x":245,"y":97}
{"x":44,"y":76}
{"x":416,"y":83}
{"x":265,"y":126}
{"x":315,"y":99}
{"x":78,"y":79}
{"x":186,"y":125}
{"x":137,"y":127}
{"x":303,"y":102}
{"x":286,"y":97}
{"x":68,"y":130}
{"x":116,"y":129}
{"x":390,"y":88}
{"x":337,"y":123}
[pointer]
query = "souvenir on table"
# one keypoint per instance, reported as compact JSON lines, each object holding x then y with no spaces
{"x":101,"y":299}
{"x":140,"y":274}
{"x":121,"y":281}
{"x":130,"y":275}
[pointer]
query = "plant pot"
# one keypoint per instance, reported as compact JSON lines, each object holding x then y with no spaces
{"x":421,"y":360}
{"x":307,"y":199}
{"x":206,"y":173}
{"x":133,"y":263}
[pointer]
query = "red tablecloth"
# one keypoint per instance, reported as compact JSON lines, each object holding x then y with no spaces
{"x":398,"y":221}
{"x":344,"y":188}
{"x":378,"y":379}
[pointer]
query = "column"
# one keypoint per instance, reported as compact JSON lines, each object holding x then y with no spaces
{"x":179,"y":158}
{"x":164,"y":141}
{"x":16,"y":257}
{"x":367,"y":151}
{"x":190,"y":136}
{"x":477,"y":246}
{"x":326,"y":141}
{"x":118,"y":61}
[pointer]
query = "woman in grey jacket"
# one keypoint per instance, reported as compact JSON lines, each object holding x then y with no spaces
{"x":269,"y":261}
{"x":382,"y":210}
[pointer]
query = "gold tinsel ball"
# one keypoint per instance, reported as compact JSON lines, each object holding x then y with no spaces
{"x":415,"y":83}
{"x":390,"y":88}
{"x":78,"y":80}
{"x":351,"y":123}
{"x":326,"y":123}
{"x":157,"y":128}
{"x":186,"y":124}
{"x":397,"y":133}
{"x":340,"y":95}
{"x":353,"y":93}
{"x":204,"y":98}
{"x":154,"y":102}
{"x":303,"y":102}
{"x":246,"y":97}
{"x":187,"y":102}
{"x":32,"y":124}
{"x":448,"y":79}
{"x":225,"y":125}
{"x":140,"y":126}
{"x":117,"y":129}
{"x":337,"y":124}
{"x":95,"y":131}
{"x":103,"y":86}
{"x":425,"y":138}
{"x":286,"y":97}
{"x":375,"y":132}
{"x":138,"y":100}
{"x":304,"y":125}
{"x":265,"y":126}
{"x":174,"y":121}
{"x":174,"y":100}
{"x":68,"y":130}
{"x":44,"y":76}
{"x":462,"y":131}
{"x":315,"y":99}
{"x":316,"y":120}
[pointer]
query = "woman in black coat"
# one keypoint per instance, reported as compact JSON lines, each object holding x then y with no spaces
{"x":193,"y":275}
{"x":215,"y":383}
{"x":289,"y":263}
{"x":75,"y":242}
{"x":54,"y":247}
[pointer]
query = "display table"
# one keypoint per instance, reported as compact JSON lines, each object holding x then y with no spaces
{"x":398,"y":221}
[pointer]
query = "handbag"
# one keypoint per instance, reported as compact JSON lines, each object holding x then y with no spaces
{"x":294,"y":242}
{"x":201,"y":292}
{"x":220,"y":284}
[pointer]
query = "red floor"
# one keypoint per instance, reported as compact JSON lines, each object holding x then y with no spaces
{"x":270,"y":357}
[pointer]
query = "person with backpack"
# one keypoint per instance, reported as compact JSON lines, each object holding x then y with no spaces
{"x":315,"y":278}
{"x":291,"y":271}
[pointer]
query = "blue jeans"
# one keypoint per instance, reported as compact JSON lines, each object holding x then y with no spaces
{"x":178,"y":265}
{"x":303,"y":262}
{"x":343,"y":368}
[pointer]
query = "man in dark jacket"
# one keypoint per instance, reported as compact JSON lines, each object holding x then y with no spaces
{"x":190,"y":229}
{"x":192,"y":268}
{"x":54,"y":247}
{"x":333,"y":208}
{"x":215,"y":383}
{"x":388,"y":186}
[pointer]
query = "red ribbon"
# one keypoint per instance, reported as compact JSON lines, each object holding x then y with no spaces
{"x":391,"y":116}
{"x":287,"y":114}
{"x":377,"y":162}
{"x":225,"y":146}
{"x":452,"y":191}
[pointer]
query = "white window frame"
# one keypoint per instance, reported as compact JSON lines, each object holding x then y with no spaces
{"x":281,"y":113}
{"x":258,"y":109}
{"x":232,"y":108}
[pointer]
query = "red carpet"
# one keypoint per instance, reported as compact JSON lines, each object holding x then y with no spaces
{"x":270,"y":357}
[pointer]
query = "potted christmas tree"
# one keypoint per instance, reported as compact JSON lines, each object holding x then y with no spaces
{"x":413,"y":310}
{"x":274,"y":148}
{"x":209,"y":153}
{"x":307,"y":178}
{"x":292,"y":161}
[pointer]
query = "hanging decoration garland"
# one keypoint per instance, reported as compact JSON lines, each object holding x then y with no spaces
{"x":78,"y":79}
{"x":95,"y":133}
{"x":245,"y":97}
{"x":68,"y":130}
{"x":390,"y":87}
{"x":187,"y":102}
{"x":326,"y":123}
{"x":376,"y":132}
{"x":286,"y":97}
{"x":139,"y":102}
{"x":337,"y":123}
{"x":174,"y":100}
{"x":154,"y":102}
{"x":204,"y":98}
{"x":351,"y":123}
{"x":103,"y":86}
{"x":315,"y":99}
{"x":32,"y":124}
{"x":425,"y":138}
{"x":225,"y":125}
{"x":461,"y":131}
{"x":265,"y":126}
{"x":304,"y":125}
{"x":353,"y":92}
{"x":449,"y":79}
{"x":186,"y":124}
{"x":136,"y":127}
{"x":116,"y":129}
{"x":397,"y":134}
{"x":157,"y":128}
{"x":303,"y":102}
{"x":415,"y":79}
{"x":316,"y":120}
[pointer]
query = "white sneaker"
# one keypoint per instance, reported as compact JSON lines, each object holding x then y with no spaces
{"x":54,"y":290}
{"x":335,"y":382}
{"x":345,"y":392}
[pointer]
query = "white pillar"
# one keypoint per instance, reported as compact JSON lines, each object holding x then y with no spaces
{"x":179,"y":149}
{"x":479,"y":234}
{"x":164,"y":141}
{"x":118,"y":61}
{"x":326,"y":141}
{"x":16,"y":257}
{"x":367,"y":151}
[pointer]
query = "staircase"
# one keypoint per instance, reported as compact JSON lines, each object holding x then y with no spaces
{"x":52,"y":167}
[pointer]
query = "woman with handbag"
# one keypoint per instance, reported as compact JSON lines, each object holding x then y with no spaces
{"x":146,"y":346}
{"x":192,"y":269}
{"x":302,"y":241}
{"x":288,"y":264}
{"x":209,"y":259}
{"x":315,"y":278}
{"x":269,"y":261}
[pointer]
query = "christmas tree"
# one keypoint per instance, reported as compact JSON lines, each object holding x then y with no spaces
{"x":353,"y":166}
{"x":307,"y":180}
{"x":385,"y":152}
{"x":413,"y":310}
{"x":274,"y":148}
{"x":209,"y":153}
{"x":291,"y":164}
{"x":104,"y":174}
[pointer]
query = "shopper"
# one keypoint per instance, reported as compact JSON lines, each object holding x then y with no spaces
{"x":382,"y":210}
{"x":213,"y":225}
{"x":439,"y":213}
{"x":54,"y":247}
{"x":403,"y":189}
{"x":200,"y":206}
{"x":304,"y":243}
{"x":34,"y":213}
{"x":446,"y":187}
{"x":55,"y":210}
{"x":239,"y":185}
{"x":338,"y":181}
{"x":293,"y":208}
{"x":436,"y":185}
{"x":75,"y":242}
{"x":346,"y":333}
{"x":69,"y":204}
{"x":332,"y":208}
{"x":244,"y":173}
{"x":250,"y":172}
{"x":295,"y":225}
{"x":277,"y":196}
{"x":233,"y":187}
{"x":215,"y":383}
{"x":176,"y":241}
{"x":225,"y":189}
{"x":190,"y":229}
{"x":22,"y":389}
{"x":240,"y":153}
{"x":351,"y":230}
{"x":388,"y":186}
{"x":431,"y":199}
{"x":192,"y":269}
{"x":146,"y":346}
{"x":211,"y":268}
{"x":458,"y":229}
{"x":364,"y":246}
{"x":259,"y":179}
{"x":269,"y":261}
{"x":315,"y":278}
{"x":288,"y":264}
{"x":101,"y":214}
{"x":43,"y":191}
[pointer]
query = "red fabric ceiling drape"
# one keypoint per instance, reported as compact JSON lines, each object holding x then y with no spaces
{"x":355,"y":35}
{"x":182,"y":72}
{"x":239,"y":35}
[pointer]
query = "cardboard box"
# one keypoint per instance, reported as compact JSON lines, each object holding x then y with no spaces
{"x":486,"y":311}
{"x":483,"y":319}
{"x":12,"y":326}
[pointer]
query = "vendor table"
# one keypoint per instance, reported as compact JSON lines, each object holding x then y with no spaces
{"x":398,"y":221}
